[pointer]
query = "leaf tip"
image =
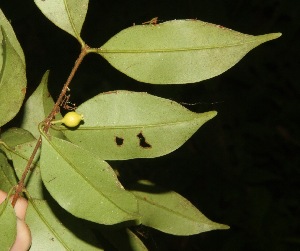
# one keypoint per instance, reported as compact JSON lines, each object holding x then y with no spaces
{"x":219,"y":226}
{"x":270,"y":36}
{"x":211,"y":114}
{"x":275,"y":35}
{"x":224,"y":227}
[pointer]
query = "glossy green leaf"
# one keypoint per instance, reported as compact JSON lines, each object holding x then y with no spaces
{"x":169,"y":212}
{"x":123,"y":240}
{"x":84,"y":184}
{"x":8,"y":225}
{"x":126,"y":125}
{"x":7,"y":174}
{"x":20,"y":145}
{"x":12,"y":79}
{"x":69,"y":15}
{"x":53,"y":229}
{"x":178,"y":51}
{"x":38,"y":107}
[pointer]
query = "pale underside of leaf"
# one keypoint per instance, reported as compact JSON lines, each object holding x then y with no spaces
{"x":7,"y":175}
{"x":125,"y":125}
{"x":19,"y":147}
{"x":15,"y":136}
{"x":11,"y":36}
{"x":69,"y":15}
{"x":178,"y":51}
{"x":169,"y":212}
{"x":84,"y":185}
{"x":12,"y":81}
{"x":49,"y":233}
{"x":8,"y":225}
{"x":37,"y":108}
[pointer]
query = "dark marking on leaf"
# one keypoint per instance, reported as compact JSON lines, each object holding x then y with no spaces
{"x":119,"y":141}
{"x":23,"y":91}
{"x":51,"y":179}
{"x":143,"y":142}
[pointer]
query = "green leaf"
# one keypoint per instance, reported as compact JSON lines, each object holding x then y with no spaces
{"x":68,"y":15}
{"x":178,"y":51}
{"x":16,"y":136}
{"x":54,"y":229}
{"x":38,"y":107}
{"x":13,"y":137}
{"x":12,"y":38}
{"x":19,"y":146}
{"x":12,"y":79}
{"x":169,"y":212}
{"x":7,"y":174}
{"x":126,"y":125}
{"x":123,"y":239}
{"x":84,"y":184}
{"x":8,"y":225}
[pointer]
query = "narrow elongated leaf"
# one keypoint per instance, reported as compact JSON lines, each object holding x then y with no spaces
{"x":68,"y":15}
{"x":126,"y":125}
{"x":83,"y":184}
{"x":56,"y":230}
{"x":169,"y":212}
{"x":12,"y":79}
{"x":7,"y":174}
{"x":21,"y":144}
{"x":8,"y":225}
{"x":178,"y":51}
{"x":38,"y":107}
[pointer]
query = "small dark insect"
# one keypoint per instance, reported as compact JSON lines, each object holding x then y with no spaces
{"x":66,"y":104}
{"x":153,"y":21}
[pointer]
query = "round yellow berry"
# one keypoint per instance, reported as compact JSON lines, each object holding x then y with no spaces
{"x":72,"y":119}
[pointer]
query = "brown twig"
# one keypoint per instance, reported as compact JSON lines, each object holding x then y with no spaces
{"x":65,"y":88}
{"x":20,"y":186}
{"x":47,"y":123}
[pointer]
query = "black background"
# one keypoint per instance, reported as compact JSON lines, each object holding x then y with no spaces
{"x":241,"y":168}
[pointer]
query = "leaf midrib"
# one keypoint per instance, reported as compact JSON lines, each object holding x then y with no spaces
{"x":67,"y":160}
{"x":155,"y":204}
{"x":104,"y":127}
{"x":257,"y":40}
{"x":71,"y":19}
{"x":48,"y":225}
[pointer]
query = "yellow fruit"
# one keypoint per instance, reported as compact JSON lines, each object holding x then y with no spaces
{"x":72,"y":119}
